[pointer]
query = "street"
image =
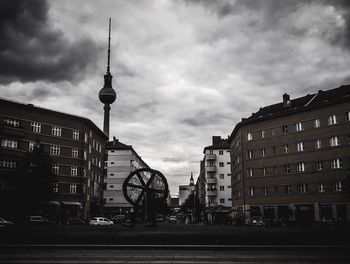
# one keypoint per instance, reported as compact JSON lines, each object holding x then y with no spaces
{"x":110,"y":254}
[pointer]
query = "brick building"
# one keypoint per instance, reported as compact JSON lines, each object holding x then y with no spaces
{"x":76,"y":145}
{"x":291,"y":160}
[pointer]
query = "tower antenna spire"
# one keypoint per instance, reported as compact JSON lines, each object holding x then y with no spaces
{"x":109,"y":46}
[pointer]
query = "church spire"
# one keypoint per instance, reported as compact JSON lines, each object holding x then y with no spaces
{"x":191,"y":179}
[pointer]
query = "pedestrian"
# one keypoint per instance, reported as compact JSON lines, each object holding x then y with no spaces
{"x":186,"y":221}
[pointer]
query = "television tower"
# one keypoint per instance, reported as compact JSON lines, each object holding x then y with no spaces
{"x":107,"y":94}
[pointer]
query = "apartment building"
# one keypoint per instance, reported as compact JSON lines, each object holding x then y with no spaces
{"x":217,"y":173}
{"x":75,"y":144}
{"x":121,"y":160}
{"x":291,"y":160}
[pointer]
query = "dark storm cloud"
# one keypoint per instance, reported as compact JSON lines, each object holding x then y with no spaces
{"x":31,"y":50}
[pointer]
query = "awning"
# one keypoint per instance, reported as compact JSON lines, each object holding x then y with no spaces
{"x":71,"y":203}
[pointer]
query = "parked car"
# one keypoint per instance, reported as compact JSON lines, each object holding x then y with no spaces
{"x":5,"y":224}
{"x":172,"y":219}
{"x":255,"y":221}
{"x":159,"y":218}
{"x":118,"y":219}
{"x":95,"y":221}
{"x":76,"y":221}
{"x":40,"y":220}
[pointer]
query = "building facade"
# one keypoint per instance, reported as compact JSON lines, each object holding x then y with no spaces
{"x":121,"y":160}
{"x":291,"y":160}
{"x":75,"y":144}
{"x":217,"y":173}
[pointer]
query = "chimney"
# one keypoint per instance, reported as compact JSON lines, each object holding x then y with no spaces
{"x":216,"y":139}
{"x":115,"y":141}
{"x":286,"y":100}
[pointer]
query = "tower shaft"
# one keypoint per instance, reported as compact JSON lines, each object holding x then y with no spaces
{"x":106,"y":109}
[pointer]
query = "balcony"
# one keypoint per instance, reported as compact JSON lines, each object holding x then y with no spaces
{"x":210,"y":156}
{"x":211,"y":168}
{"x":211,"y":180}
{"x":212,"y":192}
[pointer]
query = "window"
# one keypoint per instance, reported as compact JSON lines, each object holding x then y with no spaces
{"x":85,"y":137}
{"x":332,"y":120}
{"x":55,"y":150}
{"x":89,"y":148}
{"x":9,"y":143}
{"x":285,"y":129}
{"x":251,"y":191}
{"x":90,"y":132}
{"x":285,"y":147}
{"x":262,"y":133}
{"x":55,"y":169}
{"x":8,"y":164}
{"x":56,"y":131}
{"x":301,"y":167}
{"x":222,"y":188}
{"x":99,"y":164}
{"x":228,"y":174}
{"x":85,"y":155}
{"x":75,"y":134}
{"x":84,"y":172}
{"x":36,"y":127}
{"x":318,"y":144}
{"x":222,"y":200}
{"x":31,"y":146}
{"x":74,"y":171}
{"x":221,"y":152}
{"x":250,"y":154}
{"x":11,"y":122}
{"x":302,"y":188}
{"x":299,"y":126}
{"x":348,"y":116}
{"x":273,"y":132}
{"x":321,"y":187}
{"x":55,"y":187}
{"x":264,"y":171}
{"x":221,"y":164}
{"x":319,"y":165}
{"x":75,"y":153}
{"x":338,"y":186}
{"x":89,"y":165}
{"x":287,"y":168}
{"x":250,"y":172}
{"x":249,"y":136}
{"x":274,"y":151}
{"x":336,"y":164}
{"x":333,"y":141}
{"x":289,"y":188}
{"x":317,"y":123}
{"x":263,"y":151}
{"x":300,"y":146}
{"x":265,"y":190}
{"x":222,"y":176}
{"x":73,"y":188}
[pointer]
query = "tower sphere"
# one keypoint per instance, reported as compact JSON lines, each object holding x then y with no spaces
{"x":107,"y":94}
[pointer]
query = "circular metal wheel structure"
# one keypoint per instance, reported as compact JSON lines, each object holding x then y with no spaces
{"x":145,"y":182}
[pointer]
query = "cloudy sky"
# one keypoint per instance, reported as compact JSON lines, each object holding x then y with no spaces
{"x":183,"y":70}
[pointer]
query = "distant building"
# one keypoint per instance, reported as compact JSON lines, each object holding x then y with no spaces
{"x":76,"y":145}
{"x":186,"y":190}
{"x":122,"y":159}
{"x":291,"y":160}
{"x":174,"y":205}
{"x":201,"y":183}
{"x":217,"y":173}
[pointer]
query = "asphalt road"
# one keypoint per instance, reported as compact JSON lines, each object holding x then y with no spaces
{"x":175,"y":234}
{"x":91,"y":254}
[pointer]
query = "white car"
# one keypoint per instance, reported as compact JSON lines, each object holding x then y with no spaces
{"x":95,"y":221}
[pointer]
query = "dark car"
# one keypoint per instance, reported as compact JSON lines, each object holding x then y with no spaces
{"x":75,"y":222}
{"x":118,"y":219}
{"x":5,"y":224}
{"x":40,"y":220}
